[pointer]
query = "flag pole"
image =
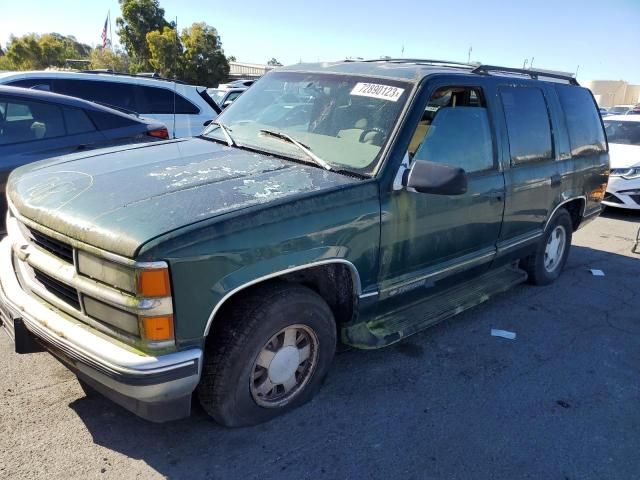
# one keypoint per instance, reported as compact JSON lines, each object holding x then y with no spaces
{"x":110,"y":32}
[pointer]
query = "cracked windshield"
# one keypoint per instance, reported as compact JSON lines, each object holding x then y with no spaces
{"x":338,"y":122}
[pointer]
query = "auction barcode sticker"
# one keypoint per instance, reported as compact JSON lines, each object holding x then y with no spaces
{"x":376,"y":90}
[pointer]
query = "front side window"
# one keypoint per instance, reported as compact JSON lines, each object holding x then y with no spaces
{"x":626,"y":133}
{"x":454,"y":129}
{"x":343,"y":119}
{"x":28,"y":121}
{"x":528,"y":124}
{"x":583,"y":121}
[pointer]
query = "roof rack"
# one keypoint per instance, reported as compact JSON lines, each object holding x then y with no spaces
{"x":152,"y":75}
{"x":424,"y":61}
{"x":534,"y":74}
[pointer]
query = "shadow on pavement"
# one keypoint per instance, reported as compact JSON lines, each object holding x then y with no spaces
{"x":560,"y":401}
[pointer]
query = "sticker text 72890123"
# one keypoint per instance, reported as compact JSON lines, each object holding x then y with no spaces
{"x":376,"y":90}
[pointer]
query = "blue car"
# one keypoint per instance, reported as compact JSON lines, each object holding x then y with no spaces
{"x":35,"y":125}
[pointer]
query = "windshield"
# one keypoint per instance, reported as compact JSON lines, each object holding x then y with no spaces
{"x":619,"y":109}
{"x":343,"y":119}
{"x":216,"y":94}
{"x":627,"y":133}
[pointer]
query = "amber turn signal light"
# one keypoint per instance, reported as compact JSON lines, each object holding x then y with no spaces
{"x":157,"y":329}
{"x":154,"y":283}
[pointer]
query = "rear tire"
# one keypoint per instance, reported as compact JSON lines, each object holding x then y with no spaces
{"x":268,"y":355}
{"x":546,"y":264}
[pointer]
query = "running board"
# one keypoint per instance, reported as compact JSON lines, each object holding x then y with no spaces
{"x":428,"y":311}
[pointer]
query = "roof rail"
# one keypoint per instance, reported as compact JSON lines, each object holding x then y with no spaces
{"x":153,"y":76}
{"x":534,"y":74}
{"x":423,"y":61}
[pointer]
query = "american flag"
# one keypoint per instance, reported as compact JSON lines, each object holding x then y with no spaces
{"x":104,"y":33}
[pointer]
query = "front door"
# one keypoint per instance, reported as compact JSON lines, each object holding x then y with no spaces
{"x":425,"y":237}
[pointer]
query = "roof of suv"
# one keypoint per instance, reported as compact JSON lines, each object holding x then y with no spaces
{"x":92,"y":75}
{"x":415,"y":70}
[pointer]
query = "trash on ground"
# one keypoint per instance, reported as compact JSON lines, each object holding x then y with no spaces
{"x":596,"y":273}
{"x":503,"y":333}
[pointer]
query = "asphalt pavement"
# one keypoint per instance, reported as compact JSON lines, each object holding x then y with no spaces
{"x":560,"y":401}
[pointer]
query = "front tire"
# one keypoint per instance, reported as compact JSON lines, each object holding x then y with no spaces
{"x":545,"y":265}
{"x":268,"y":355}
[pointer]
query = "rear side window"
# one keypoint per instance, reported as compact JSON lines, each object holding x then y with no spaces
{"x":77,"y":121}
{"x":161,"y":100}
{"x":528,"y":124}
{"x":108,"y":121}
{"x":583,"y":121}
{"x":29,"y":121}
{"x":114,"y":94}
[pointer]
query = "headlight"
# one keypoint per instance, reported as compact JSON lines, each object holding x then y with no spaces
{"x":628,"y":173}
{"x":146,"y":282}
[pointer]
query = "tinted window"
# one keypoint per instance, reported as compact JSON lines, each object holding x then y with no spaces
{"x":528,"y":124}
{"x":77,"y":121}
{"x":583,"y":121}
{"x":36,"y":83}
{"x":161,"y":100}
{"x":27,"y":121}
{"x":627,"y":133}
{"x":119,"y":95}
{"x":108,"y":121}
{"x":460,"y":137}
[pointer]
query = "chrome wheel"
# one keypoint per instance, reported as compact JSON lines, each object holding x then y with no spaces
{"x":554,"y":249}
{"x":284,"y":366}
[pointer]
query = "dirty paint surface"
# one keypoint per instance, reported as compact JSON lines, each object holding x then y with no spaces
{"x":119,"y":198}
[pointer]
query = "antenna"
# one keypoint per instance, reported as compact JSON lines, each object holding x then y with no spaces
{"x":175,"y":84}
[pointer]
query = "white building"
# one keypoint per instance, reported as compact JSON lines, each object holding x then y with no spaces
{"x":613,"y":92}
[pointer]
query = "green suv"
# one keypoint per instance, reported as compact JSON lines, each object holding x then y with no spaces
{"x":352,"y":202}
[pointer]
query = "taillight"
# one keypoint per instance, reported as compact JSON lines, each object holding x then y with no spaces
{"x":159,"y":133}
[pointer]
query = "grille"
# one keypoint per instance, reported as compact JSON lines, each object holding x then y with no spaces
{"x":635,"y":198}
{"x":610,"y":197}
{"x":67,"y":294}
{"x":56,"y":247}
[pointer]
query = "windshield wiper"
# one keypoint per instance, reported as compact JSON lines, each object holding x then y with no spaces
{"x":304,"y":148}
{"x":225,"y":131}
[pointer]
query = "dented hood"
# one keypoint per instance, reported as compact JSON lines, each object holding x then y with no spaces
{"x":119,"y":198}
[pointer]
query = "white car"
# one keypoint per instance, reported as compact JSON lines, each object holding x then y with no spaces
{"x":623,"y":133}
{"x":184,"y":109}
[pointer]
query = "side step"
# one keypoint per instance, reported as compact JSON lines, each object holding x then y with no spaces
{"x":428,"y":311}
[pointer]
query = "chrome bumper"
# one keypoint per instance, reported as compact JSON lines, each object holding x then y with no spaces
{"x":158,"y":388}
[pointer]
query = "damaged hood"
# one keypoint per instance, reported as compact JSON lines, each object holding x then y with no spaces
{"x":119,"y":198}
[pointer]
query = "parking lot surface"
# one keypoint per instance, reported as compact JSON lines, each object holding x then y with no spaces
{"x":558,"y":402}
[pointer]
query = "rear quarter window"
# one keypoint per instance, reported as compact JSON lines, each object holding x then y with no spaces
{"x":107,"y":121}
{"x":161,"y":100}
{"x":584,"y":125}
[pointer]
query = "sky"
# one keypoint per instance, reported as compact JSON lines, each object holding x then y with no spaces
{"x":598,"y":39}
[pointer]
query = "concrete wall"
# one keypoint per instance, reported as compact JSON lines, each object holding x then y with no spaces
{"x":613,"y":92}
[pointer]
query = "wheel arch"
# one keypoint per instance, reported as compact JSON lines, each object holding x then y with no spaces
{"x":575,"y":205}
{"x":308,"y":274}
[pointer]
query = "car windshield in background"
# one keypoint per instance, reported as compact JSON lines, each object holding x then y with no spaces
{"x":627,"y":133}
{"x":216,"y":94}
{"x":619,"y":110}
{"x":344,"y":120}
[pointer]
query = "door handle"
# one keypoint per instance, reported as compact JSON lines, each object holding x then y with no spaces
{"x":556,"y":180}
{"x":494,"y":196}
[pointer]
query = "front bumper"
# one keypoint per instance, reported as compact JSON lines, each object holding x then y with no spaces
{"x":157,"y":388}
{"x":623,"y":193}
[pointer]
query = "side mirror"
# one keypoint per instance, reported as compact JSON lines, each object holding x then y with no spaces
{"x":435,"y":178}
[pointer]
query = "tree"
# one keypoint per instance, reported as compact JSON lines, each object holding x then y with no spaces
{"x":231,"y":58}
{"x":139,"y":17}
{"x":203,"y":60}
{"x":105,"y":58}
{"x":165,"y":51}
{"x":274,"y":63}
{"x":35,"y":52}
{"x":24,"y":52}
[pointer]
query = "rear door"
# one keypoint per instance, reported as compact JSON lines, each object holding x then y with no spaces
{"x":532,"y":175}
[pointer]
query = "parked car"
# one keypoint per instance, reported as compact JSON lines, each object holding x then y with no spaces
{"x":225,"y":96}
{"x":620,"y":109}
{"x":243,"y":82}
{"x":603,"y":111}
{"x":36,"y":125}
{"x":163,"y":100}
{"x":623,"y":133}
{"x":401,"y":193}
